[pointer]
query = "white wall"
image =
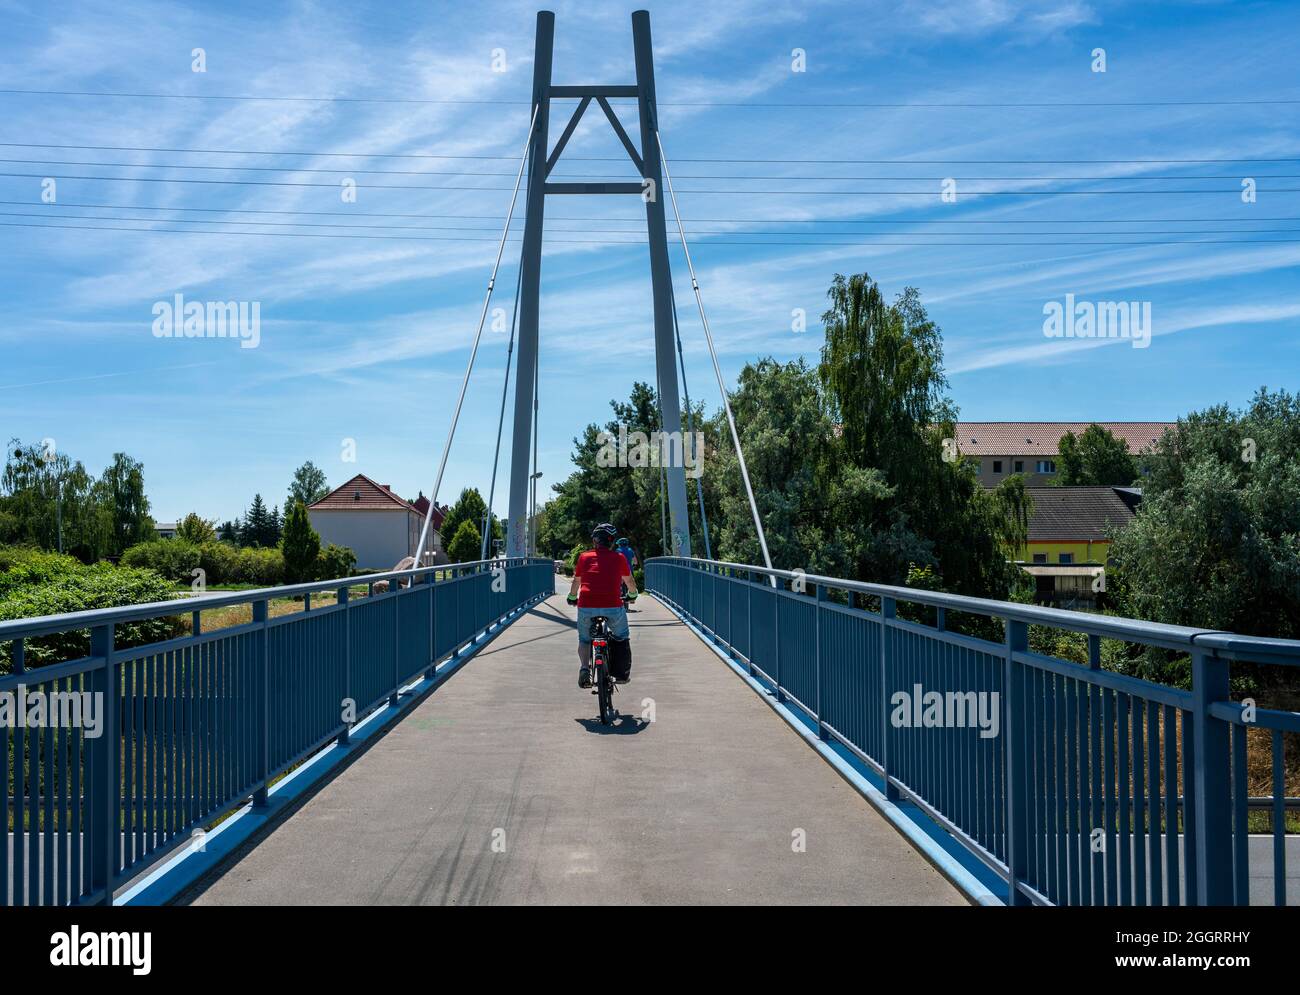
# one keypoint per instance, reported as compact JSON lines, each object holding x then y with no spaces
{"x":378,"y":538}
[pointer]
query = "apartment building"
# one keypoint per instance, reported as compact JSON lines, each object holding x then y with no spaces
{"x":1031,"y":448}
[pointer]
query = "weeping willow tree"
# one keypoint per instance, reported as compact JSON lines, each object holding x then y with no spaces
{"x":882,"y":374}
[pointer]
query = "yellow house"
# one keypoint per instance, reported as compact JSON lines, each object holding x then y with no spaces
{"x":1068,"y":548}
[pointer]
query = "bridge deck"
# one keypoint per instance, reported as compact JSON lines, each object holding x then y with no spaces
{"x":697,"y":807}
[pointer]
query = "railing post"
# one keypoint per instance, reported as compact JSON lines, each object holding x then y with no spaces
{"x":749,"y":620}
{"x":714,"y":617}
{"x":1017,"y":802}
{"x":106,"y":772}
{"x":429,"y":581}
{"x":776,"y":628}
{"x":260,"y":615}
{"x":345,"y":599}
{"x":888,"y":611}
{"x":1211,"y":770}
{"x":396,"y":589}
{"x":817,"y":641}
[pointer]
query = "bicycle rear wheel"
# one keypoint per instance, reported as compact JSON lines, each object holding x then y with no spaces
{"x":606,"y":694}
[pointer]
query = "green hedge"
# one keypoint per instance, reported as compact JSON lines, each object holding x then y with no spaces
{"x":24,"y":566}
{"x":220,"y":562}
{"x":99,"y":586}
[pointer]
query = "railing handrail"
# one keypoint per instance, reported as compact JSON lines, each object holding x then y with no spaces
{"x":1073,"y":750}
{"x":1216,"y":642}
{"x":43,"y":625}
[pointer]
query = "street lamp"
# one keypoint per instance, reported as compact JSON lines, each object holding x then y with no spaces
{"x":532,"y":528}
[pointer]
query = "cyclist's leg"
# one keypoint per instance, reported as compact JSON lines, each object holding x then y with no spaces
{"x":584,"y":650}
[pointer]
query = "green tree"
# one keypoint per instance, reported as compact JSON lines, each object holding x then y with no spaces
{"x":196,"y":529}
{"x":882,"y":367}
{"x":308,"y":485}
{"x":258,"y":528}
{"x":465,"y":544}
{"x":1095,"y":457}
{"x":34,"y":484}
{"x":469,"y":507}
{"x":786,"y":433}
{"x":1215,"y":543}
{"x":120,"y":491}
{"x":300,"y":545}
{"x":897,"y":503}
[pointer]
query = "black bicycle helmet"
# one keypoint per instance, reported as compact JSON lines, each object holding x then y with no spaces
{"x":604,"y":533}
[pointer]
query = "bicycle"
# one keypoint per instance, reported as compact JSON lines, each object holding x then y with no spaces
{"x":602,"y":683}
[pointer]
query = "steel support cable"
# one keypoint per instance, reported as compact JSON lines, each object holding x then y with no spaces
{"x":717,"y":369}
{"x":505,"y":387}
{"x":478,"y":335}
{"x":690,"y":427}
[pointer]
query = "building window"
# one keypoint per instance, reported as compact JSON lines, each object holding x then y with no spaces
{"x":1046,"y":466}
{"x":1067,"y":557}
{"x":997,"y":466}
{"x":1020,"y":466}
{"x":1040,"y":557}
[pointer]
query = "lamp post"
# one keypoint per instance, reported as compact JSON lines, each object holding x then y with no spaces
{"x":532,"y":527}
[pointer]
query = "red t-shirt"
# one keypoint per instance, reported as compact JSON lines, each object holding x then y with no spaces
{"x":601,"y":572}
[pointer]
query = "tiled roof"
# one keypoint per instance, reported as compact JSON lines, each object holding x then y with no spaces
{"x":1043,"y":438}
{"x":361,"y":493}
{"x":421,"y":504}
{"x":1078,"y":513}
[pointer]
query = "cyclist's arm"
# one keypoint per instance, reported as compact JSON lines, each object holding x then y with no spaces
{"x":630,"y":581}
{"x":573,"y":588}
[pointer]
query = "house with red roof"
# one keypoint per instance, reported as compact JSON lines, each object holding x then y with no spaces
{"x":380,"y":527}
{"x":1031,"y":448}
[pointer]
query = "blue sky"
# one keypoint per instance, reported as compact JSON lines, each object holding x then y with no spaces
{"x":366,"y":339}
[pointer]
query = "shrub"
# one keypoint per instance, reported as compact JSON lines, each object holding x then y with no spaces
{"x":174,"y":559}
{"x":220,"y":562}
{"x":335,"y":561}
{"x":260,"y":566}
{"x":100,"y":586}
{"x":24,"y":566}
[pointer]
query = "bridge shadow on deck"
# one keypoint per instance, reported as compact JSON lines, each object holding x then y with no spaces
{"x":503,"y":788}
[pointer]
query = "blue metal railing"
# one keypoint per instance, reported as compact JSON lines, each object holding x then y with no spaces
{"x":207,"y":720}
{"x":1096,"y":788}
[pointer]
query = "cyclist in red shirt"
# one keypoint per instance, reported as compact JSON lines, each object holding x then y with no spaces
{"x":597,"y":589}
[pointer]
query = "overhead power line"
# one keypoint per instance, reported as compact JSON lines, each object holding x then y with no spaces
{"x":687,"y":176}
{"x":693,"y":190}
{"x":766,"y":104}
{"x":897,"y":160}
{"x":571,"y":241}
{"x":641,"y":220}
{"x":693,"y":231}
